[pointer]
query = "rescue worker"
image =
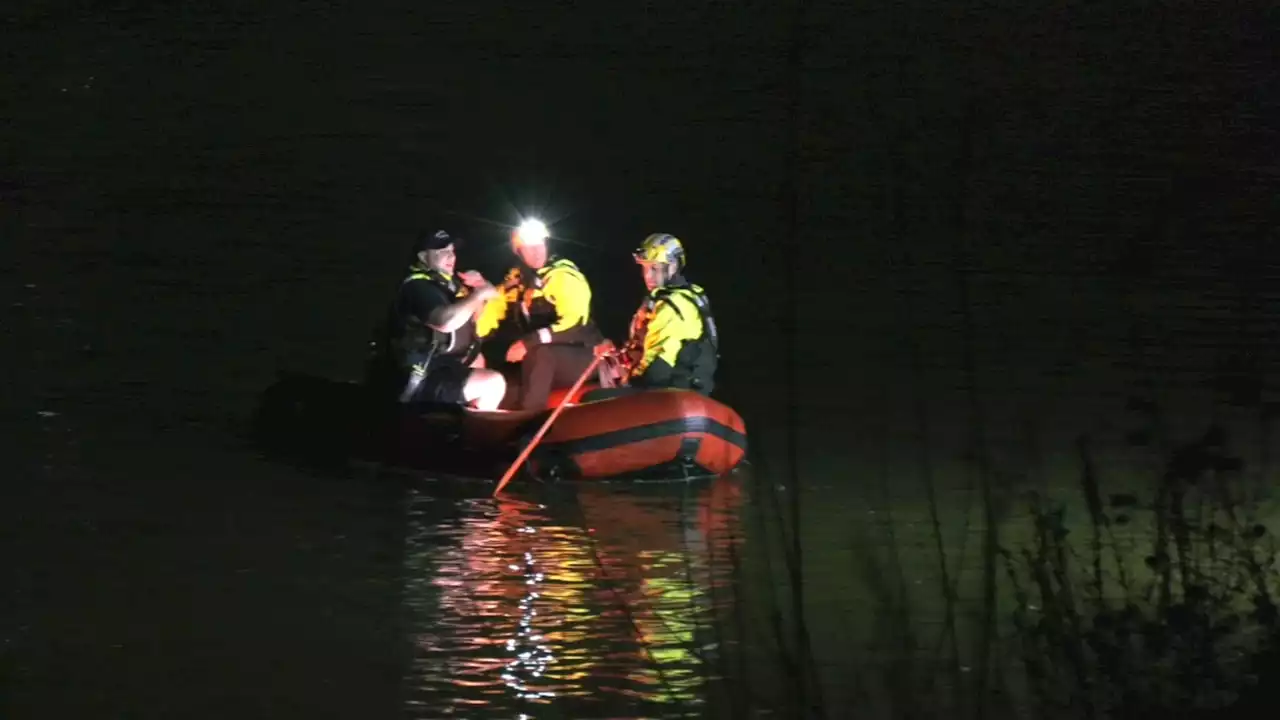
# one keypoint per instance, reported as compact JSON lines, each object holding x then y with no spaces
{"x":430,"y":351}
{"x":674,"y":342}
{"x":549,"y":299}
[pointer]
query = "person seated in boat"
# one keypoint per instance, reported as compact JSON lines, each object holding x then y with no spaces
{"x":431,"y":347}
{"x":549,"y":300}
{"x":673,"y":342}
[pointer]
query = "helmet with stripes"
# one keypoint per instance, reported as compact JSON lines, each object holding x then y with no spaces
{"x":661,"y":248}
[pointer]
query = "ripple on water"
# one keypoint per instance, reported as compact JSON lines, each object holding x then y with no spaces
{"x":604,"y":600}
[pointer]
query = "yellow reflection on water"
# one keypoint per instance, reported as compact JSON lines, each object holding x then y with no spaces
{"x":598,"y":602}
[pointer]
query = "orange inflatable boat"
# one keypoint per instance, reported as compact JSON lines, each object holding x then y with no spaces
{"x":651,"y":434}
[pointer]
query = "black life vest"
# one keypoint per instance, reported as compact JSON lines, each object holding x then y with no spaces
{"x":412,"y":340}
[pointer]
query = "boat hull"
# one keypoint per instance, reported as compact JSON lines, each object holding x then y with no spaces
{"x":651,"y":434}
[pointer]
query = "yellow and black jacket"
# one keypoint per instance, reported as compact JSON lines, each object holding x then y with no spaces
{"x":674,"y":341}
{"x":551,"y":305}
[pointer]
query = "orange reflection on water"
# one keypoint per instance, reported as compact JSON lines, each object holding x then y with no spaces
{"x":516,"y":605}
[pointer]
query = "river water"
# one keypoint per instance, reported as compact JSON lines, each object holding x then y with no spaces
{"x":160,"y":567}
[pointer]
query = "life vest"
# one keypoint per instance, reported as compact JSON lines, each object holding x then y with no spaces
{"x":412,"y":340}
{"x":697,"y":359}
{"x":523,"y":291}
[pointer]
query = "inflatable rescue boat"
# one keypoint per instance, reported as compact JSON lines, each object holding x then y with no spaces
{"x":650,"y":434}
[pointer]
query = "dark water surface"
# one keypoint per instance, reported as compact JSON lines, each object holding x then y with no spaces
{"x":160,"y":568}
{"x":169,"y":572}
{"x":164,"y":573}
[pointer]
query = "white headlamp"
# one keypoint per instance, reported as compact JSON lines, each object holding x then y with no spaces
{"x":530,"y":232}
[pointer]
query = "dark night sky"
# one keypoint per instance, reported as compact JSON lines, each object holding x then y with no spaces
{"x":243,"y":180}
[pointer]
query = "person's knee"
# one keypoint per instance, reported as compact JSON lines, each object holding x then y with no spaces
{"x":485,"y":381}
{"x":538,"y":366}
{"x":536,"y":378}
{"x":538,"y":354}
{"x":485,"y":388}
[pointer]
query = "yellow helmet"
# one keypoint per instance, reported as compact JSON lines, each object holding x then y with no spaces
{"x":661,"y":248}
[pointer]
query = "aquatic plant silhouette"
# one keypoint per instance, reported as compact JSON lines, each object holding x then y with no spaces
{"x":1181,"y":632}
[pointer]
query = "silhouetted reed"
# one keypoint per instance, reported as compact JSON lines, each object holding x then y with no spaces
{"x":1176,"y":624}
{"x":1117,"y":602}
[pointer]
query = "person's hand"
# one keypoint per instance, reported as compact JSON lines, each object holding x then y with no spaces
{"x":616,"y":371}
{"x":486,"y":292}
{"x":472,"y":279}
{"x":605,"y":348}
{"x":621,"y":373}
{"x":516,"y":352}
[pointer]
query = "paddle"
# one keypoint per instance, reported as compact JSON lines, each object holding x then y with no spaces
{"x":564,"y":402}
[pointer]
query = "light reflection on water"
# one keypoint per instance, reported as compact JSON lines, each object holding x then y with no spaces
{"x":595,"y":600}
